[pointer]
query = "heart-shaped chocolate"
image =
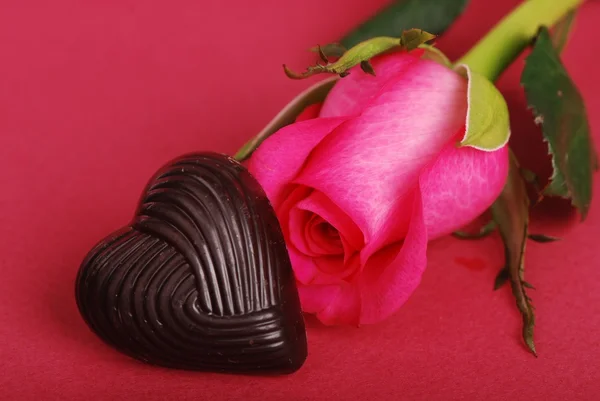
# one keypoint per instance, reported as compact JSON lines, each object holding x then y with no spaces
{"x":201,"y":278}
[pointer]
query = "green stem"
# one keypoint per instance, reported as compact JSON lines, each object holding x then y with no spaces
{"x":499,"y":48}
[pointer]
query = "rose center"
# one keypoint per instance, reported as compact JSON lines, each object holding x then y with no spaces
{"x":329,"y":231}
{"x":323,"y":236}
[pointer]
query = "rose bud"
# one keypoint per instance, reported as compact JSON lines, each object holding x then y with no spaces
{"x":361,"y":188}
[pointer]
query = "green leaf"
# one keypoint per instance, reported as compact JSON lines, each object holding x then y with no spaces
{"x":433,"y":16}
{"x":314,"y":94}
{"x":487,"y":125}
{"x":511,"y":213}
{"x":362,"y":52}
{"x":561,"y":31}
{"x":559,"y":108}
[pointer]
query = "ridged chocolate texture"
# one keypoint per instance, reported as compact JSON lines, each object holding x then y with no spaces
{"x":201,"y":279}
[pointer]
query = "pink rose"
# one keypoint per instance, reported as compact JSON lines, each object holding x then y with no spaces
{"x":361,"y":188}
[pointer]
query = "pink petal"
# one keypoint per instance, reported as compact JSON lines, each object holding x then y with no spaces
{"x":332,"y":266}
{"x":344,"y":309}
{"x":303,"y":265}
{"x":292,"y":194}
{"x":323,"y":270}
{"x":315,"y":298}
{"x":460,"y":186}
{"x":392,"y":274}
{"x":335,"y":269}
{"x":321,"y":205}
{"x":352,"y":93}
{"x":335,"y":303}
{"x":389,"y":278}
{"x":280,"y":157}
{"x":298,"y":220}
{"x":307,"y":236}
{"x":322,"y":237}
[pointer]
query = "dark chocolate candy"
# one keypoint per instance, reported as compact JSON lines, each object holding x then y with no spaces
{"x":201,"y":278}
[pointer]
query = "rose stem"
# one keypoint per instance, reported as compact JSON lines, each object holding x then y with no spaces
{"x":503,"y":44}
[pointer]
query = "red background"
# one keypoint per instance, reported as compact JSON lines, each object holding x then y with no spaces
{"x":96,"y":95}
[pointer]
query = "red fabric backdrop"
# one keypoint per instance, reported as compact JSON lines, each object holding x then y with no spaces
{"x":89,"y":90}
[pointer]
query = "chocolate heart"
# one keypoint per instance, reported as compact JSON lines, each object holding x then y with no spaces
{"x":201,"y":278}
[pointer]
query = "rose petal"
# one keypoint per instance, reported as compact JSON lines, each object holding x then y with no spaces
{"x":392,"y":229}
{"x":351,"y":94}
{"x":303,"y":265}
{"x":292,"y":195}
{"x":320,"y":204}
{"x":332,"y":266}
{"x":392,"y":274}
{"x":334,"y":269}
{"x":344,"y":309}
{"x":298,"y":220}
{"x":335,"y":303}
{"x":323,"y":270}
{"x":460,"y":186}
{"x":390,"y":277}
{"x":275,"y":163}
{"x":308,"y":238}
{"x":322,"y":238}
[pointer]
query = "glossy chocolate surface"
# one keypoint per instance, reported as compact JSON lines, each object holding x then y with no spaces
{"x":201,"y":278}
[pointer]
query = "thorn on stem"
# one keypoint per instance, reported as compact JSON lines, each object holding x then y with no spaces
{"x":367,"y":67}
{"x":542,"y":238}
{"x":528,"y":285}
{"x":501,"y":278}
